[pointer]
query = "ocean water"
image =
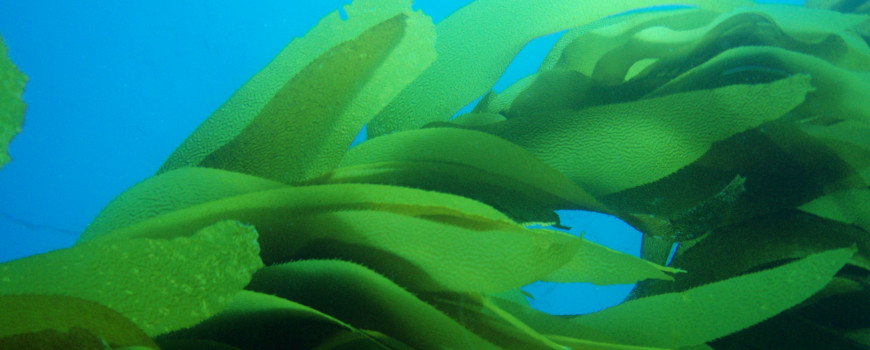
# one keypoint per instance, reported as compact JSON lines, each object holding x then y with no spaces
{"x":116,"y":86}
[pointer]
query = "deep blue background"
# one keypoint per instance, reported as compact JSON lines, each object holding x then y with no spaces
{"x":115,"y":86}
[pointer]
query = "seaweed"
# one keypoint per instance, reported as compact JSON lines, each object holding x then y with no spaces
{"x":734,"y":131}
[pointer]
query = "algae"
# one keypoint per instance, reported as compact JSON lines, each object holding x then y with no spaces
{"x":263,"y":230}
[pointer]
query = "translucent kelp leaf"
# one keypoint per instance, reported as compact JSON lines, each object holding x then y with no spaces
{"x":757,"y":243}
{"x":477,"y":43}
{"x":172,"y":190}
{"x":848,"y":206}
{"x":12,"y":107}
{"x":486,"y":319}
{"x":296,"y":118}
{"x":26,"y":316}
{"x":597,"y":264}
{"x":366,"y":300}
{"x":273,"y":210}
{"x":468,"y":163}
{"x":839,"y":93}
{"x":261,"y":321}
{"x":429,"y":255}
{"x":629,"y":144}
{"x":160,"y":285}
{"x":708,"y":312}
{"x":609,"y":29}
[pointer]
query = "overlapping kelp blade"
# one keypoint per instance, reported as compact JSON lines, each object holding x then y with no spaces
{"x":468,"y":163}
{"x":783,"y":168}
{"x":839,"y":93}
{"x":597,"y":264}
{"x":262,"y":321}
{"x":475,"y":46}
{"x":11,"y":105}
{"x":296,"y":118}
{"x":708,"y":312}
{"x":29,"y":320}
{"x":160,"y":285}
{"x":756,"y":243}
{"x":611,"y":148}
{"x":850,"y":206}
{"x":423,"y":254}
{"x":476,"y":313}
{"x":172,"y":190}
{"x":272,"y":209}
{"x":829,"y":320}
{"x":604,"y":34}
{"x":366,"y":300}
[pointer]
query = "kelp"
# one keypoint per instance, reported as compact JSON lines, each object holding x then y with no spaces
{"x":297,"y":117}
{"x":640,"y":142}
{"x":476,"y":48}
{"x":11,"y":105}
{"x":41,"y":321}
{"x":160,"y":285}
{"x":741,"y":133}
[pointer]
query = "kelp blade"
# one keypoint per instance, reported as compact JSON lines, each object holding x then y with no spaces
{"x":705,"y":313}
{"x":475,"y":46}
{"x":160,"y":285}
{"x":295,"y":119}
{"x":11,"y":105}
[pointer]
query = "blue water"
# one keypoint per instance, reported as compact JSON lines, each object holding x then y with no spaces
{"x":116,"y":86}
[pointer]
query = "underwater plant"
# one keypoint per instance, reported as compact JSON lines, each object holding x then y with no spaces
{"x":735,"y":130}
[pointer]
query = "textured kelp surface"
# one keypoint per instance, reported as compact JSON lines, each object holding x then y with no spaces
{"x":739,"y":131}
{"x":12,"y":83}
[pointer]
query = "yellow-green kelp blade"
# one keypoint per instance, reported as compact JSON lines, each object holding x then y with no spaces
{"x":11,"y":105}
{"x":477,"y":43}
{"x":366,"y":300}
{"x":850,"y":206}
{"x":296,"y":118}
{"x":170,"y":191}
{"x":160,"y":285}
{"x":775,"y":238}
{"x":27,"y":317}
{"x":839,"y":93}
{"x":611,"y":148}
{"x":272,"y":209}
{"x":423,"y":254}
{"x":597,"y":264}
{"x":708,"y":312}
{"x":468,"y":163}
{"x":255,"y":320}
{"x":489,"y":321}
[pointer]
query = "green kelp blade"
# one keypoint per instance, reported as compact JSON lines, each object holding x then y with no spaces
{"x":608,"y":35}
{"x":597,"y":264}
{"x":839,"y":93}
{"x":27,"y":317}
{"x":160,"y":285}
{"x":489,"y":321}
{"x":296,"y":118}
{"x":505,"y":175}
{"x":11,"y":105}
{"x":611,"y":148}
{"x":430,"y":255}
{"x":364,"y":299}
{"x":255,"y":320}
{"x":477,"y":43}
{"x":758,"y":242}
{"x":172,"y":190}
{"x":850,"y":206}
{"x":708,"y":312}
{"x":272,"y":210}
